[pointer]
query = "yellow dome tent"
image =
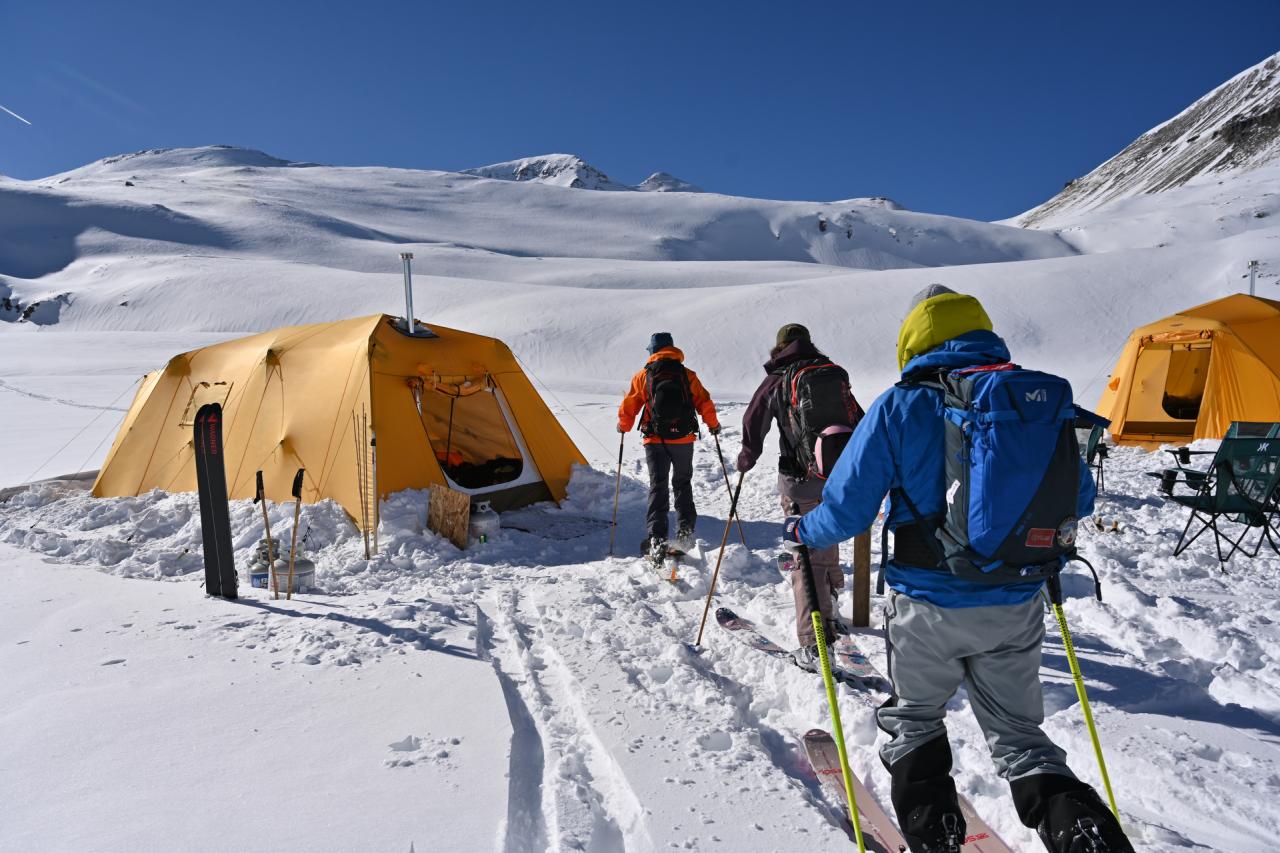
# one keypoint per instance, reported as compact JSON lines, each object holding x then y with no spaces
{"x":1190,"y":375}
{"x":359,"y":404}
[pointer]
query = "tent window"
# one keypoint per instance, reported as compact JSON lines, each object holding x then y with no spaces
{"x":468,"y":431}
{"x":1184,"y":385}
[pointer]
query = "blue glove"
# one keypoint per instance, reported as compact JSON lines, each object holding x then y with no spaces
{"x":791,"y":534}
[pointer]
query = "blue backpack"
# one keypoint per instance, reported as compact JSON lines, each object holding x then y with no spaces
{"x":1012,"y":474}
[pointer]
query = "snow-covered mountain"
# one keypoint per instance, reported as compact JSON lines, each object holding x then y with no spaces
{"x":570,"y":170}
{"x":557,"y":170}
{"x":1233,"y":129}
{"x":665,"y":182}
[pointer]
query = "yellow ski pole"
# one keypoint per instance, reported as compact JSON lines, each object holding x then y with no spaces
{"x":1055,"y":601}
{"x":820,"y":634}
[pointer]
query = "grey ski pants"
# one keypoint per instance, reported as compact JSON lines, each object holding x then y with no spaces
{"x":799,"y":497}
{"x":673,"y":463}
{"x":995,"y":652}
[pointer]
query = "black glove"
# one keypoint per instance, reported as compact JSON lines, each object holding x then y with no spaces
{"x":715,"y":430}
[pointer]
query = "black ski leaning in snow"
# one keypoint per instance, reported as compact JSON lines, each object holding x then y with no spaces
{"x":215,"y":520}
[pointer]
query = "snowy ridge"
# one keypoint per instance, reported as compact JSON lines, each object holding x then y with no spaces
{"x":663,"y":182}
{"x":1231,"y":130}
{"x":556,"y":170}
{"x":570,"y":170}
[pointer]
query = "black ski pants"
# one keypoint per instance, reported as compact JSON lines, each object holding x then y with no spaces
{"x":671,"y":463}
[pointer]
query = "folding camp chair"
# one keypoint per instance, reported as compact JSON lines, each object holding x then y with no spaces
{"x":1092,"y":446}
{"x":1182,"y":455}
{"x":1240,"y":486}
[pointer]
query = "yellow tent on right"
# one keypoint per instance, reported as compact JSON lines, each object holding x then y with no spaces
{"x":1191,"y":374}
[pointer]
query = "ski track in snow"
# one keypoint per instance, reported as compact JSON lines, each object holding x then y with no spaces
{"x":626,"y":738}
{"x":5,"y":386}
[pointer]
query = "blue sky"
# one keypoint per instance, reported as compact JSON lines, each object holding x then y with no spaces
{"x":978,"y":109}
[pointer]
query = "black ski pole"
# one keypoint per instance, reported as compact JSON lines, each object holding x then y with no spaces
{"x":617,"y":489}
{"x":724,"y":541}
{"x":725,"y":471}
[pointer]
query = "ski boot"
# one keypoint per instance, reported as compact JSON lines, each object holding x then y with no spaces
{"x":1068,"y":815}
{"x":658,"y":549}
{"x":808,"y":659}
{"x":684,"y":540}
{"x":924,"y":798}
{"x":1079,"y":822}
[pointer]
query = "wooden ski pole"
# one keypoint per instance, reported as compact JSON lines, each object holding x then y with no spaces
{"x":724,"y":541}
{"x":617,"y":489}
{"x":820,"y":635}
{"x":729,"y":491}
{"x":297,"y":517}
{"x":260,"y":496}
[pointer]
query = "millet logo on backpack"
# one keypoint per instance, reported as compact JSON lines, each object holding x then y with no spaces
{"x":1038,"y":396}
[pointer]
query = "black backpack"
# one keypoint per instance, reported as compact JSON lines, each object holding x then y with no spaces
{"x":670,"y":401}
{"x":818,"y":413}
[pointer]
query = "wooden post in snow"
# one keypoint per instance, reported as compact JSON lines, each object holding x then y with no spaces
{"x":862,"y":580}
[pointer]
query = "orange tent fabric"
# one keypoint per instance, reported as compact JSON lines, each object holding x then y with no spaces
{"x":363,"y":407}
{"x":1191,"y":374}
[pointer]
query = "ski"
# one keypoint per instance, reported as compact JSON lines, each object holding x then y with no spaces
{"x":979,"y":836}
{"x":746,"y":631}
{"x":215,"y":521}
{"x":879,"y":831}
{"x":668,"y":563}
{"x":845,"y":648}
{"x":878,"y":828}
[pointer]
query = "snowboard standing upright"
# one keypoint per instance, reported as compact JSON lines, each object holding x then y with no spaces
{"x":215,"y":521}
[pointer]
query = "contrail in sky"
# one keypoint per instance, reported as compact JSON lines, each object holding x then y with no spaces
{"x":15,"y":115}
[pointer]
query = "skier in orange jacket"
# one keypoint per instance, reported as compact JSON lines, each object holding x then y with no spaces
{"x":667,"y":397}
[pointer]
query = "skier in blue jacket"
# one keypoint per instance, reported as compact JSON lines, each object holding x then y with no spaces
{"x":945,"y":631}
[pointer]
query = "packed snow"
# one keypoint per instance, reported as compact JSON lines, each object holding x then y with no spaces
{"x":531,"y":693}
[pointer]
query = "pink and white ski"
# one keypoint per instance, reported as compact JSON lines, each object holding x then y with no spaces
{"x":877,"y":827}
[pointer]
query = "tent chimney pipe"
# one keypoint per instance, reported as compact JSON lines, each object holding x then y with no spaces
{"x":409,"y":325}
{"x":1253,"y":274}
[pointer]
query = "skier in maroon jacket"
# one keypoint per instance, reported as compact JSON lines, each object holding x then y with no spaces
{"x":798,"y":489}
